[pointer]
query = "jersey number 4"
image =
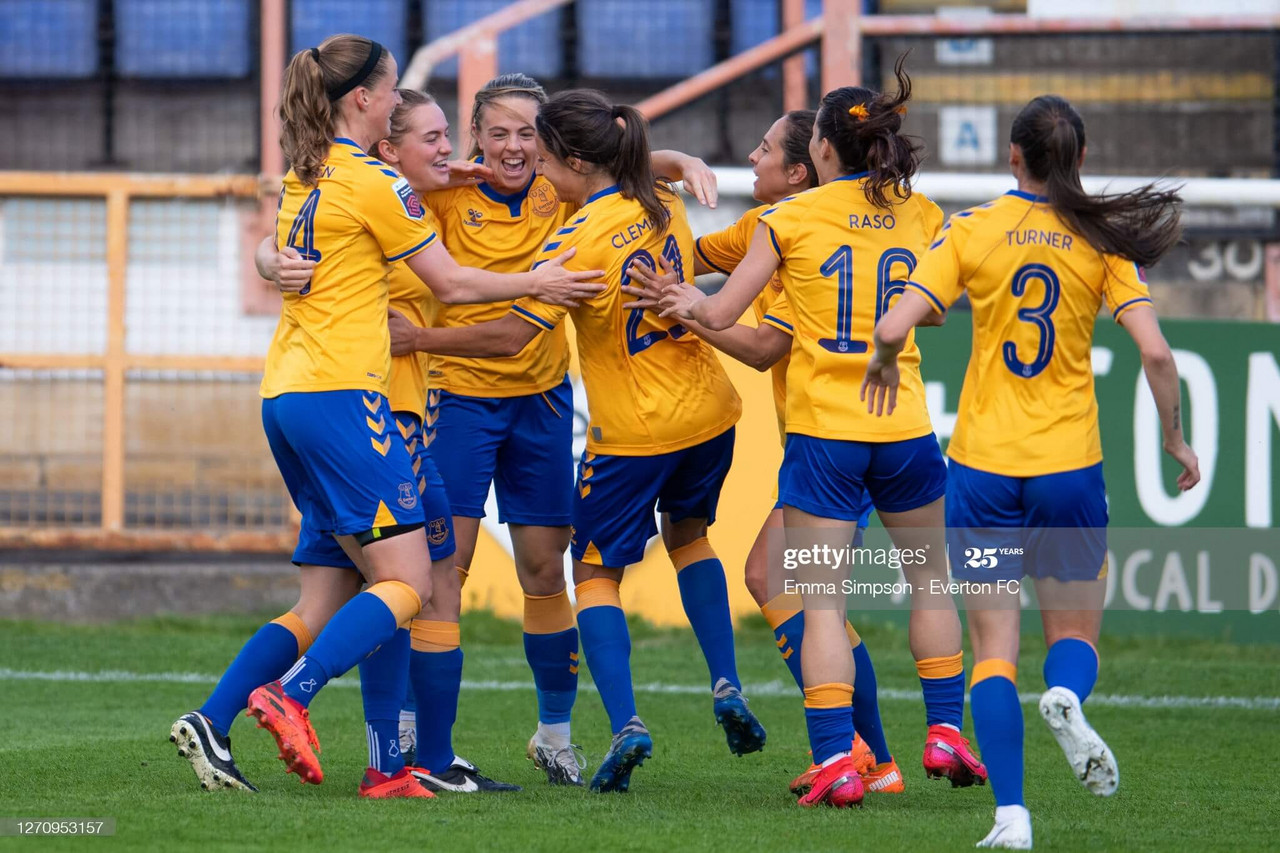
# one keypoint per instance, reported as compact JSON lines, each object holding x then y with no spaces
{"x":840,"y":264}
{"x":1040,"y":316}
{"x":302,"y":234}
{"x":636,"y":342}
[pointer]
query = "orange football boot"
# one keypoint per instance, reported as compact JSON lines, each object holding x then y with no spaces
{"x":884,"y":778}
{"x":401,"y":785}
{"x":947,"y":755}
{"x":859,"y":753}
{"x":837,"y":785}
{"x":290,"y":725}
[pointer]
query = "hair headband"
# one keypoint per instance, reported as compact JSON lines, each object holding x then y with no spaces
{"x":375,"y":53}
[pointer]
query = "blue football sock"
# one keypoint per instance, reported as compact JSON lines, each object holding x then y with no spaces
{"x":1072,"y":664}
{"x":435,"y":670}
{"x":828,"y":718}
{"x":997,"y":722}
{"x":383,"y":676}
{"x":789,"y":637}
{"x":606,"y":642}
{"x":705,"y":597}
{"x":410,"y":704}
{"x":554,"y":661}
{"x":942,"y":683}
{"x":866,"y":706}
{"x":364,"y":623}
{"x":267,"y":656}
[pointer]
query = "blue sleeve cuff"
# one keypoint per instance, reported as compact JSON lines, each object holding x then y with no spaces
{"x":1125,"y":306}
{"x":413,"y":251}
{"x":935,"y":301}
{"x":532,"y":318}
{"x":697,"y":247}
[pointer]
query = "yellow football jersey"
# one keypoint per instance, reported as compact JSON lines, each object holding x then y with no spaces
{"x":502,"y":233}
{"x":358,"y":220}
{"x":843,"y":261}
{"x":722,"y":251}
{"x":652,"y":386}
{"x":408,"y":384}
{"x":1028,"y":405}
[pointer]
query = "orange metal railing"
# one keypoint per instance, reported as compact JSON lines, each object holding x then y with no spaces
{"x":841,"y":28}
{"x":115,"y":360}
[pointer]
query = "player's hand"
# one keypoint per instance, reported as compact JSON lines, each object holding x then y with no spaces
{"x":679,"y":299}
{"x":647,"y":284}
{"x":402,"y":332}
{"x":290,"y":272}
{"x":466,"y":173}
{"x":880,"y":386}
{"x":1186,"y":457}
{"x":700,"y":181}
{"x":556,"y":285}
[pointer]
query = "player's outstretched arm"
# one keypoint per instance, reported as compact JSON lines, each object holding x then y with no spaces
{"x":499,"y":338}
{"x":1162,"y":376}
{"x":721,"y":310}
{"x":551,"y":282}
{"x":760,"y":346}
{"x":698,"y":178}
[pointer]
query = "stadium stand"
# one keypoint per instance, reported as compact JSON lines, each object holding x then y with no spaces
{"x":385,"y":21}
{"x":160,"y":39}
{"x":535,"y":47}
{"x":667,"y":39}
{"x":49,"y":39}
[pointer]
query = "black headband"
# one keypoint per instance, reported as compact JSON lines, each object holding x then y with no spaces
{"x":375,"y":53}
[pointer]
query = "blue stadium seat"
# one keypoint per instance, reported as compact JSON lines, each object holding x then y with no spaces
{"x":534,"y":47}
{"x":657,"y":38}
{"x":384,"y":21}
{"x":49,"y":38}
{"x":183,"y":38}
{"x":756,"y":21}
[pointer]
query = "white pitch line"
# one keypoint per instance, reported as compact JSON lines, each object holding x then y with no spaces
{"x":770,"y":688}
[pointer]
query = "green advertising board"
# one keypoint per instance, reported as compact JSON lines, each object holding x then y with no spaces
{"x":1164,"y":575}
{"x":1231,"y":398}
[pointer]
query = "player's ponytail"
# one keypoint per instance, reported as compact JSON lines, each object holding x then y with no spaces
{"x":582,"y":123}
{"x":865,"y":129}
{"x":633,"y":167}
{"x":307,"y":113}
{"x":503,"y":86}
{"x":798,"y":129}
{"x":1140,"y":225}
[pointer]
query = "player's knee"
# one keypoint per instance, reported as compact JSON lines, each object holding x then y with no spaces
{"x":756,"y":575}
{"x":544,"y":576}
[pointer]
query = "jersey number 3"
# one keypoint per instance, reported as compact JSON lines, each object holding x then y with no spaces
{"x":302,"y":234}
{"x":1041,"y":316}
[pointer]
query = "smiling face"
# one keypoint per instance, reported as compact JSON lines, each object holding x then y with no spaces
{"x":422,"y":152}
{"x":504,"y":130}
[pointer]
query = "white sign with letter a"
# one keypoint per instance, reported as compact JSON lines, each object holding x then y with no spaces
{"x":967,"y":136}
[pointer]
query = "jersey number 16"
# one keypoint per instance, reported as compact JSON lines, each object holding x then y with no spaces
{"x":840,"y":264}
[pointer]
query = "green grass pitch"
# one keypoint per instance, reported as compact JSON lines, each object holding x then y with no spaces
{"x":1193,"y":778}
